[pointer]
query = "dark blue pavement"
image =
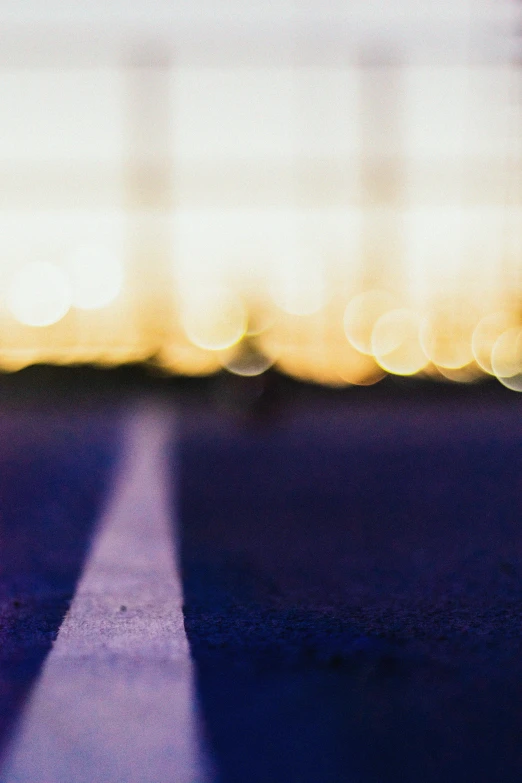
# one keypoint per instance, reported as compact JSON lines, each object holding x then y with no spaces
{"x":353,"y":588}
{"x":352,"y":573}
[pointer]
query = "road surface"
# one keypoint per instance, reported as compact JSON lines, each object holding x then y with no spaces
{"x":334,"y":594}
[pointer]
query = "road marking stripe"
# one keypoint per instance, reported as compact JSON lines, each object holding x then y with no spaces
{"x":115,"y":702}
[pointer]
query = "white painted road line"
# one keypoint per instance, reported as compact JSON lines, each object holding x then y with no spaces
{"x":115,"y":702}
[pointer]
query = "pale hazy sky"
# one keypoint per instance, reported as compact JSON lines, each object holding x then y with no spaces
{"x":424,"y":27}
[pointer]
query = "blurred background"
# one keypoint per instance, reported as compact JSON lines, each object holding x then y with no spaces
{"x":233,"y":210}
{"x":333,"y":189}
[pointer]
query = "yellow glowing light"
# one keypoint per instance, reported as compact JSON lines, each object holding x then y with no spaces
{"x":214,"y":318}
{"x":309,"y":364}
{"x":261,"y":317}
{"x":361,"y":315}
{"x":447,"y":344}
{"x":314,"y":349}
{"x":395,"y":342}
{"x":39,"y":294}
{"x":329,"y":367}
{"x":254,"y":203}
{"x":356,"y":368}
{"x":96,"y":277}
{"x":468,"y":374}
{"x":506,"y":358}
{"x":184,"y":358}
{"x":331,"y":370}
{"x":485,"y":335}
{"x":248,"y":363}
{"x":15,"y":359}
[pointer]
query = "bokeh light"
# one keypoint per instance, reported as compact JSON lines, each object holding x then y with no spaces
{"x":247,"y":362}
{"x":39,"y":294}
{"x":96,"y":277}
{"x":357,"y":369}
{"x":184,"y":358}
{"x":446,"y":341}
{"x":471,"y":373}
{"x":506,"y":358}
{"x":338,"y":217}
{"x":214,"y":318}
{"x":485,"y":335}
{"x":361,"y":315}
{"x":312,"y":366}
{"x":395,"y":342}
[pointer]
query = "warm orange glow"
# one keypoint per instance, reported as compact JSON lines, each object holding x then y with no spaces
{"x":361,"y":315}
{"x":214,"y":318}
{"x":486,"y":334}
{"x":447,"y":342}
{"x":184,"y":358}
{"x":264,"y":202}
{"x":506,"y":358}
{"x":395,"y":342}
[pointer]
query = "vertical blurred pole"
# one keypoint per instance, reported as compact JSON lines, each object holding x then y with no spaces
{"x":381,"y":171}
{"x":149,"y":192}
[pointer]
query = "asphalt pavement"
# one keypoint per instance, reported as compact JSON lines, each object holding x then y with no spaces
{"x":346,"y":576}
{"x":353,"y":589}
